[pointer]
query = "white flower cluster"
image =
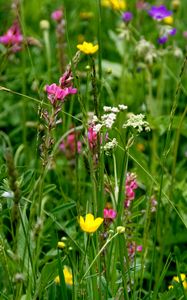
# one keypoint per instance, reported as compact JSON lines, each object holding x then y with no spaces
{"x":146,"y":50}
{"x":137,"y":122}
{"x":108,"y":119}
{"x":110,"y":146}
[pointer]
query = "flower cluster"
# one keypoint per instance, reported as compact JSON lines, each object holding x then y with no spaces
{"x":137,"y":122}
{"x":13,"y":37}
{"x":57,"y":15}
{"x":59,"y":93}
{"x":127,"y":16}
{"x":110,"y":146}
{"x":108,"y":119}
{"x":130,"y":186}
{"x":177,"y":279}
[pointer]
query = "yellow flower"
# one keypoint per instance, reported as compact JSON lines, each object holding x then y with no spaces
{"x":67,"y":276}
{"x":168,"y":20}
{"x":114,"y":4}
{"x":177,"y":279}
{"x":176,"y":4}
{"x":61,"y":245}
{"x":88,"y":48}
{"x":89,"y":224}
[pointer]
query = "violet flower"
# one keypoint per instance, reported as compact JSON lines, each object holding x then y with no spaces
{"x":162,"y":40}
{"x":127,"y":16}
{"x":159,"y":12}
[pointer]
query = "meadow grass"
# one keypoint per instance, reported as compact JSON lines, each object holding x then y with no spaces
{"x":93,"y":150}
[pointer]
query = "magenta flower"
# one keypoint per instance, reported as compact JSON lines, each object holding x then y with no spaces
{"x":127,"y":16}
{"x":92,"y":138}
{"x":57,"y":15}
{"x":12,"y":37}
{"x":159,"y":12}
{"x":57,"y":93}
{"x":130,"y":186}
{"x":109,"y":214}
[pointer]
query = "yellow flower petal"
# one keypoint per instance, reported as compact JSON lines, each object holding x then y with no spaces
{"x":61,"y":245}
{"x":89,"y":218}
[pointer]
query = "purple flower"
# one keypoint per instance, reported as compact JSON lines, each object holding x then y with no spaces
{"x":159,"y":12}
{"x":127,"y":16}
{"x":57,"y":15}
{"x":172,"y":31}
{"x":162,"y":40}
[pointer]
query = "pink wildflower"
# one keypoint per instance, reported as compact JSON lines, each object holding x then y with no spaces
{"x":130,"y":186}
{"x":57,"y":93}
{"x":92,"y":137}
{"x":109,"y":213}
{"x":57,"y":15}
{"x":12,"y":37}
{"x":132,"y":248}
{"x":71,"y":146}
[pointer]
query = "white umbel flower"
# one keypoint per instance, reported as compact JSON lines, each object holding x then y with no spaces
{"x":137,"y":122}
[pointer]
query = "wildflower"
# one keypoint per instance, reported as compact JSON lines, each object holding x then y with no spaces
{"x":182,"y":279}
{"x":133,"y":248}
{"x":57,"y":93}
{"x":109,"y":213}
{"x":57,"y":15}
{"x":68,"y":277}
{"x":159,"y":12}
{"x":92,"y":137}
{"x":168,"y":20}
{"x":110,"y":146}
{"x":90,"y":224}
{"x":13,"y":37}
{"x":87,"y":48}
{"x":114,"y":4}
{"x":61,"y":245}
{"x":162,"y":39}
{"x":127,"y":16}
{"x":130,"y":185}
{"x":137,"y":122}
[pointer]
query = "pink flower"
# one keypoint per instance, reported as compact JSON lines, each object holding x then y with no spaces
{"x":109,"y":214}
{"x":92,"y":137}
{"x":12,"y":37}
{"x":130,"y":186}
{"x":57,"y":15}
{"x":71,"y":146}
{"x":57,"y":93}
{"x":139,"y":248}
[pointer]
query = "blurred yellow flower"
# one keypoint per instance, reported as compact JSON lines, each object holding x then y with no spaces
{"x":88,"y":48}
{"x":89,"y":224}
{"x":114,"y":4}
{"x":67,"y":276}
{"x":168,"y":20}
{"x":61,"y":245}
{"x":176,"y":4}
{"x":177,"y":279}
